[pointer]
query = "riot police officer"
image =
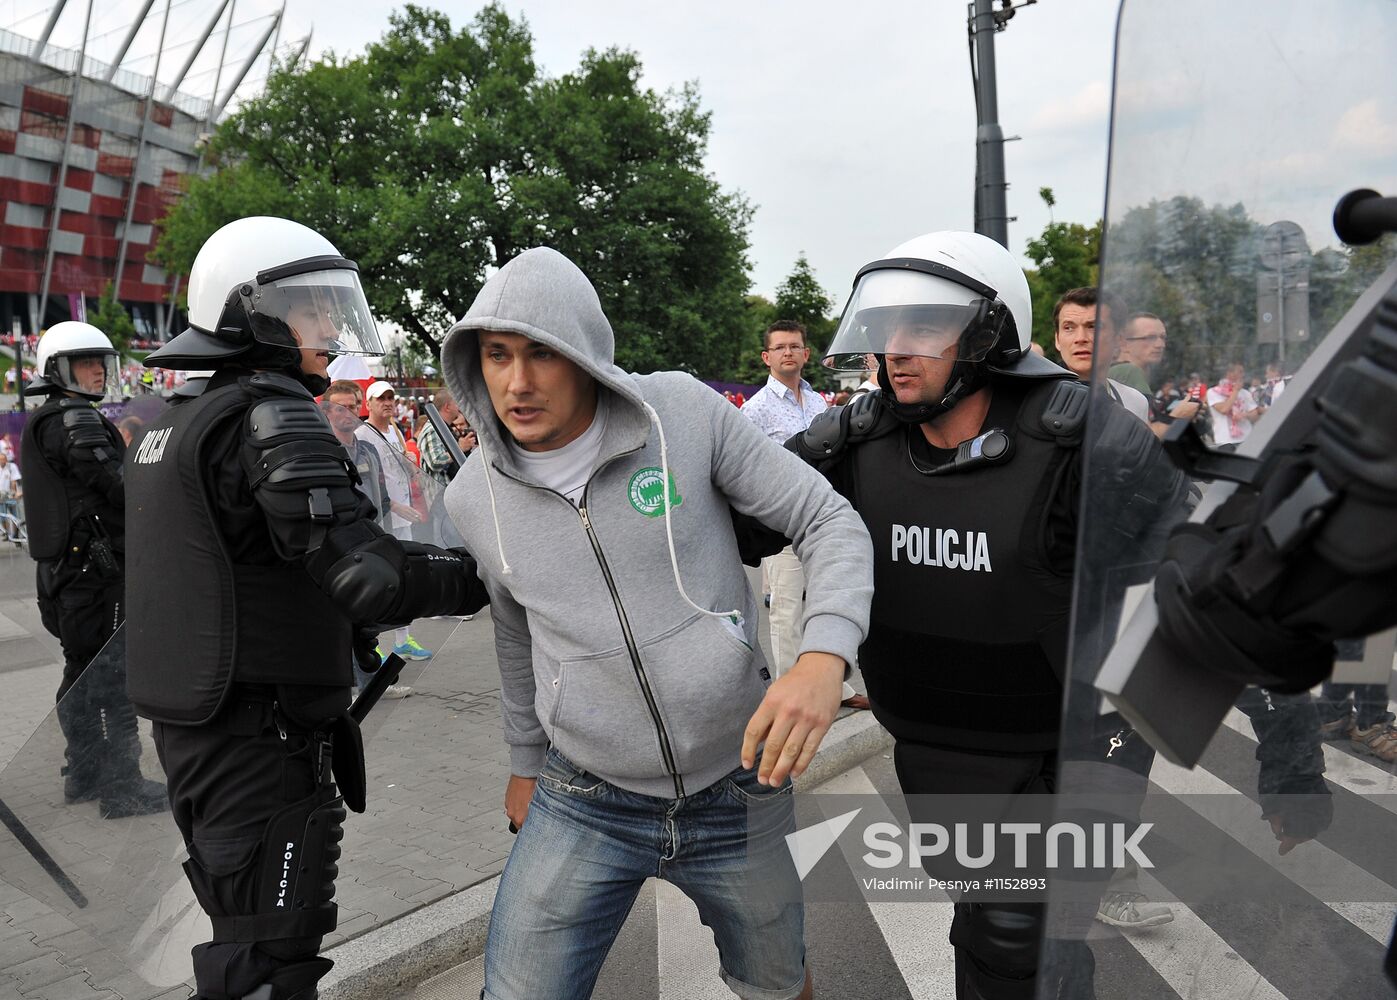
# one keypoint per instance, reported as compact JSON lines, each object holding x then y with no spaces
{"x":257,"y":566}
{"x":73,"y":474}
{"x":965,"y":467}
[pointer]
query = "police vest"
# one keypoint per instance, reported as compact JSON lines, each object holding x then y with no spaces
{"x":968,"y":627}
{"x":53,"y":501}
{"x":197,"y":622}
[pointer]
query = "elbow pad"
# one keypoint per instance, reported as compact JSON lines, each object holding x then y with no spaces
{"x":374,"y":577}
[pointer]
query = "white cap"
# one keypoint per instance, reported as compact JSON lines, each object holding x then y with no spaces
{"x":377,"y":389}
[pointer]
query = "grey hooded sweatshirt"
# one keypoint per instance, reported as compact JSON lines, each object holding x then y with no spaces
{"x":600,"y":651}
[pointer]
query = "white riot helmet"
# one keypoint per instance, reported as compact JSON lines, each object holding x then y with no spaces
{"x":63,"y":362}
{"x":260,"y":289}
{"x":947,"y":295}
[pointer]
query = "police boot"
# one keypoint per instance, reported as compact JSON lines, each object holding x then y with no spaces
{"x":83,"y":753}
{"x":125,"y":791}
{"x":293,"y":982}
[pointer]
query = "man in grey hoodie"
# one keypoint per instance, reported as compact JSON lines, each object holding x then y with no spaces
{"x":634,"y":691}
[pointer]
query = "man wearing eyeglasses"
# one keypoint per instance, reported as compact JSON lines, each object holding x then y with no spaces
{"x":783,"y":408}
{"x":1141,"y":349}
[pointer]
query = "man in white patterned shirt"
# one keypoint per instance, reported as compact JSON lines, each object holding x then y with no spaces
{"x":783,"y":408}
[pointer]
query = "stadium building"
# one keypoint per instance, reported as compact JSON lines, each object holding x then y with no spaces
{"x":93,"y":155}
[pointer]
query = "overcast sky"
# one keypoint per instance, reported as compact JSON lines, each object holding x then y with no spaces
{"x":849,"y":126}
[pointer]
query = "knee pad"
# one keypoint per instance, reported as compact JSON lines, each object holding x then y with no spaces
{"x":289,"y":890}
{"x":1002,"y":940}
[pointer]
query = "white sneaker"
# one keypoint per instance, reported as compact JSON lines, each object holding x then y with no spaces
{"x":1129,"y":910}
{"x":403,"y":690}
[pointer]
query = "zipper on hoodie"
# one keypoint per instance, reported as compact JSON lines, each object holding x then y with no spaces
{"x":666,"y":751}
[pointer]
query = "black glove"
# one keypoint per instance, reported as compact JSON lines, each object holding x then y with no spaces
{"x":1300,"y":810}
{"x":365,"y":647}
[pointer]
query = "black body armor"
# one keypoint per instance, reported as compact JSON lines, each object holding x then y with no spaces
{"x":968,"y":628}
{"x":198,"y":620}
{"x":57,"y":499}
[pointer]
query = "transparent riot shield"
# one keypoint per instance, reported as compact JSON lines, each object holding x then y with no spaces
{"x":1266,"y":821}
{"x":91,"y":868}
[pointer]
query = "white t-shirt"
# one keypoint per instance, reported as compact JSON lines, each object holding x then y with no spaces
{"x":9,"y":476}
{"x":566,"y":469}
{"x":1222,"y":422}
{"x":392,"y":454}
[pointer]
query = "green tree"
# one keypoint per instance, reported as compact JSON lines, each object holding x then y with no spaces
{"x":759,"y":312}
{"x":1066,"y":255}
{"x":1198,"y":266}
{"x":802,"y":298}
{"x":111,"y":318}
{"x":440,"y":154}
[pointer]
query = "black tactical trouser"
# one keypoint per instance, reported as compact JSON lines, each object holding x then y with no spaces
{"x":253,"y":796}
{"x":98,"y":722}
{"x":997,"y":943}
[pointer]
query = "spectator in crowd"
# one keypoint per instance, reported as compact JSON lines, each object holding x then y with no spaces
{"x":11,"y":492}
{"x":1233,"y":408}
{"x":1078,"y":317}
{"x":781,"y":409}
{"x":129,"y":428}
{"x":436,"y":459}
{"x":1141,"y":350}
{"x":1358,"y":711}
{"x":340,"y":404}
{"x":1276,"y":381}
{"x":634,"y":746}
{"x":383,"y":434}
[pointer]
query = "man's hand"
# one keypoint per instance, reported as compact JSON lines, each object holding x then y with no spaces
{"x":406,"y":512}
{"x":517,"y":795}
{"x":1185,"y":410}
{"x":793,"y":718}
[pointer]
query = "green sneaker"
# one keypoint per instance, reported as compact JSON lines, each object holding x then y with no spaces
{"x":412,"y":650}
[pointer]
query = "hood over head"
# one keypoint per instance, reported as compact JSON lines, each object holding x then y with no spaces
{"x":543,"y":296}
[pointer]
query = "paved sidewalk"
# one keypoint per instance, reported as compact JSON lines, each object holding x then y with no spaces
{"x":437,"y":767}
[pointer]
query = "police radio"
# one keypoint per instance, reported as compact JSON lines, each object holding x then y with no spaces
{"x":989,"y":448}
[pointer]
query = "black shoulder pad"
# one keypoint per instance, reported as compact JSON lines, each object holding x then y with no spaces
{"x":276,"y":384}
{"x":862,"y":419}
{"x":84,"y":426}
{"x":1065,"y":416}
{"x":289,"y":446}
{"x":299,"y":472}
{"x":82,"y":414}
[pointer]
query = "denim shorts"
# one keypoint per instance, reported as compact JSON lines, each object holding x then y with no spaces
{"x":585,"y":851}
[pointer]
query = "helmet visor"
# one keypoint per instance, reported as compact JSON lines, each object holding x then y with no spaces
{"x":910,"y":313}
{"x":94,"y":374}
{"x":318,"y":310}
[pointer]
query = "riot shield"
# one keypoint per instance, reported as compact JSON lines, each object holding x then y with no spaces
{"x":1236,"y":129}
{"x":94,"y":876}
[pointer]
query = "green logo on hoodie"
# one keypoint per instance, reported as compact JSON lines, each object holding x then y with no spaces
{"x":647,"y":494}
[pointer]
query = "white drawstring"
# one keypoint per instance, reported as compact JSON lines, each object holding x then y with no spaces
{"x":669,"y":527}
{"x":494,"y":511}
{"x":505,"y":569}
